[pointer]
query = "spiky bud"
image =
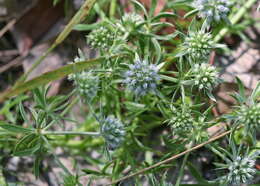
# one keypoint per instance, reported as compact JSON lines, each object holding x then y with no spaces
{"x":250,"y":116}
{"x":141,"y":78}
{"x":205,"y":76}
{"x":181,"y":121}
{"x":213,"y":10}
{"x":113,"y":132}
{"x":102,"y":38}
{"x":198,"y":45}
{"x":131,"y":20}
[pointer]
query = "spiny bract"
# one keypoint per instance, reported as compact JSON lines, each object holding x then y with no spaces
{"x":213,"y":10}
{"x":113,"y":132}
{"x":141,"y":78}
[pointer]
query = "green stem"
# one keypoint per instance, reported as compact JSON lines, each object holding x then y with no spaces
{"x":180,"y":176}
{"x":70,"y":133}
{"x":235,"y":19}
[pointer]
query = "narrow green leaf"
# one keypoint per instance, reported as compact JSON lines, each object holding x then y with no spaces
{"x":50,"y":76}
{"x":15,"y":128}
{"x":36,"y":166}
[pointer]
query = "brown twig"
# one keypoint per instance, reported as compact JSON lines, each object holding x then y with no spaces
{"x":172,"y":158}
{"x":7,"y":53}
{"x":7,"y":27}
{"x":12,"y":63}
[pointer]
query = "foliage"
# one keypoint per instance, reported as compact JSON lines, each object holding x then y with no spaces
{"x":144,"y":79}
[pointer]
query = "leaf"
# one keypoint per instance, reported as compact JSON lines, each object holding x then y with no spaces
{"x":15,"y":128}
{"x":138,"y":4}
{"x":85,"y":27}
{"x":157,"y":49}
{"x":27,"y":152}
{"x":190,"y":13}
{"x":23,"y":113}
{"x":51,"y":76}
{"x":89,"y":171}
{"x":241,"y":87}
{"x":164,"y":14}
{"x":36,"y":166}
{"x":210,"y":95}
{"x":196,"y":174}
{"x":24,"y":141}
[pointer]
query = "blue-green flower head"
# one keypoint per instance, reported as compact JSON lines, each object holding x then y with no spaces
{"x":240,"y":170}
{"x":141,"y":78}
{"x":213,"y":10}
{"x":113,"y":131}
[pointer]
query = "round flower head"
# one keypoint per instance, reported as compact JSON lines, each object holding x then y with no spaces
{"x":213,"y":10}
{"x":198,"y":45}
{"x":205,"y":76}
{"x":181,"y":121}
{"x":87,"y":84}
{"x":131,"y":21}
{"x":240,"y":170}
{"x":250,"y":116}
{"x":102,"y":38}
{"x":113,"y":132}
{"x":141,"y":78}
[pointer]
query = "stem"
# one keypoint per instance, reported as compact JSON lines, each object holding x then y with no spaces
{"x":70,"y":133}
{"x":183,"y":166}
{"x":235,"y":19}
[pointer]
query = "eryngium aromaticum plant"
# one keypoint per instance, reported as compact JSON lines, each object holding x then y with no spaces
{"x":141,"y":78}
{"x":213,"y":10}
{"x":113,"y":132}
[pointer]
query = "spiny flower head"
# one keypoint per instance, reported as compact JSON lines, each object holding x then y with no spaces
{"x":87,"y":84}
{"x":181,"y":121}
{"x":101,"y":38}
{"x":213,"y":10}
{"x":141,"y":78}
{"x":205,"y":76}
{"x":198,"y":45}
{"x":113,"y":132}
{"x":250,"y":116}
{"x":131,"y":20}
{"x":240,"y":170}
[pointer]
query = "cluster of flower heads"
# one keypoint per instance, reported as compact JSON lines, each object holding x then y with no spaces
{"x":205,"y":76}
{"x":240,"y":170}
{"x":86,"y":82}
{"x":213,"y":10}
{"x":113,"y":132}
{"x":250,"y":116}
{"x":141,"y":78}
{"x":101,"y":38}
{"x":198,"y":45}
{"x":181,"y":121}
